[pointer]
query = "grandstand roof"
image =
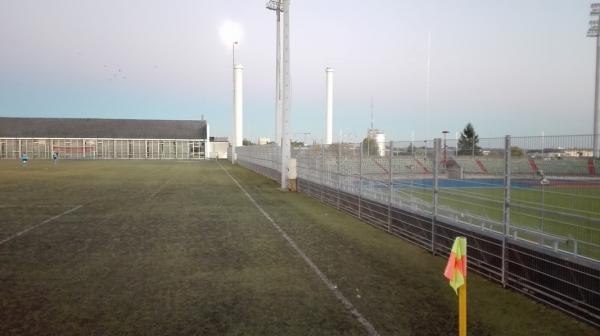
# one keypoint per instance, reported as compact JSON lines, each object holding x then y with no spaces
{"x":101,"y":128}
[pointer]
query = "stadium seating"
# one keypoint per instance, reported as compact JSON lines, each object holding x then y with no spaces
{"x":562,"y":167}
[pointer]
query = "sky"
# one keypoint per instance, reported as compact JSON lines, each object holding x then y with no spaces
{"x":519,"y":67}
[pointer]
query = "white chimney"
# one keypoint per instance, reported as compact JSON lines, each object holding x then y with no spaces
{"x":238,"y":110}
{"x":328,"y":105}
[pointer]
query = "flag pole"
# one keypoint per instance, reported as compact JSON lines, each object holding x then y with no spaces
{"x":456,"y":273}
{"x":462,"y":309}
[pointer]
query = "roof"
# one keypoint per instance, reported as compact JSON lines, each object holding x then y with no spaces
{"x":219,"y":139}
{"x":101,"y":128}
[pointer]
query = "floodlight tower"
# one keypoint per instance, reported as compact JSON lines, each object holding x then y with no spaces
{"x":284,"y":83}
{"x":594,"y":31}
{"x":277,"y":6}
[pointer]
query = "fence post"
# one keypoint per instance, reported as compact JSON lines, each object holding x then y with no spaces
{"x":339,"y":175}
{"x":390,"y":187}
{"x":322,"y":169}
{"x":435,"y":188}
{"x":360,"y":182}
{"x":506,"y":212}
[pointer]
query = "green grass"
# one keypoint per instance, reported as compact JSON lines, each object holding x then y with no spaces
{"x":565,"y":212}
{"x":174,"y":248}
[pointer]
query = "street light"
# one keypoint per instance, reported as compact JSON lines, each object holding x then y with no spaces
{"x":445,"y":147}
{"x":233,"y":48}
{"x":231,"y":33}
{"x":594,"y":31}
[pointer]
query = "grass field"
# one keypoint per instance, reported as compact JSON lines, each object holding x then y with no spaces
{"x":175,"y":248}
{"x":562,"y":211}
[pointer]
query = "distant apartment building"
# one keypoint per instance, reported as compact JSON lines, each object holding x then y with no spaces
{"x":264,"y":140}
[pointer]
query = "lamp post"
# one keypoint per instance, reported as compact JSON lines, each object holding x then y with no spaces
{"x":594,"y":31}
{"x":237,"y":105}
{"x":445,"y":147}
{"x":231,"y":33}
{"x":233,"y":49}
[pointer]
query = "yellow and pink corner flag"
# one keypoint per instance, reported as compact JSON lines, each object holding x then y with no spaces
{"x":456,"y":269}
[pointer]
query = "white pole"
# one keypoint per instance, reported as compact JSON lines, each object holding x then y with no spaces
{"x":278,"y":80}
{"x":285,"y":135}
{"x":206,"y":143}
{"x":596,"y":149}
{"x":328,"y":105}
{"x":238,"y":107}
{"x":456,"y":144}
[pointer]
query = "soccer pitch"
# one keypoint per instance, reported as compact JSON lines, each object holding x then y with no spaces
{"x":559,"y":211}
{"x":177,"y":248}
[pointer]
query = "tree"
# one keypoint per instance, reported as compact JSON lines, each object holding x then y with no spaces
{"x":247,"y":142}
{"x":467,"y":143}
{"x":296,"y":144}
{"x":370,"y":147}
{"x":516,"y":152}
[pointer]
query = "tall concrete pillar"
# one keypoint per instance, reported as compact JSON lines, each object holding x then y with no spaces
{"x":328,"y":105}
{"x":238,"y":109}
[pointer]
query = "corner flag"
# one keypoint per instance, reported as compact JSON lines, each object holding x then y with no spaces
{"x":456,"y":269}
{"x":456,"y":272}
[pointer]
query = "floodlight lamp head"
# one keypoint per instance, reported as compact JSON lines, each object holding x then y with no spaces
{"x":275,"y":5}
{"x":231,"y":33}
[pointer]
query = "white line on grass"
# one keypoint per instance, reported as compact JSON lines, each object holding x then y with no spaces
{"x":338,"y":294}
{"x":18,"y":234}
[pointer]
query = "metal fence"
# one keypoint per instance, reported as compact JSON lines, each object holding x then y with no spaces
{"x":264,"y":160}
{"x":530,"y":206}
{"x":102,"y":148}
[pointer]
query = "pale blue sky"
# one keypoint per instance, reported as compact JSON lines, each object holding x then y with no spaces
{"x":510,"y":67}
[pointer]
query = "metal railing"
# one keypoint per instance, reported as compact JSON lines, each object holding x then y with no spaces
{"x":530,"y":206}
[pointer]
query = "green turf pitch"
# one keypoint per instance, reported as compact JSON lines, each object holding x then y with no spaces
{"x":174,"y":248}
{"x":565,"y":212}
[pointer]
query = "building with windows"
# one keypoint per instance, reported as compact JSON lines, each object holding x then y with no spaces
{"x":79,"y":138}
